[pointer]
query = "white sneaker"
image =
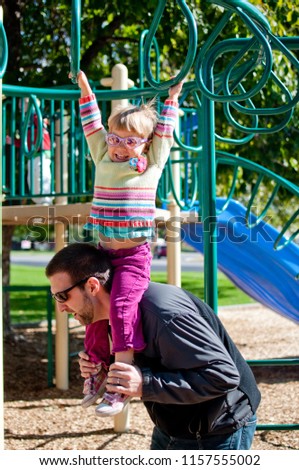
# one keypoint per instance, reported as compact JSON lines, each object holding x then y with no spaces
{"x":112,"y":404}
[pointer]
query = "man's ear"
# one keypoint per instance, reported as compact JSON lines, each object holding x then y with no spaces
{"x":93,"y":285}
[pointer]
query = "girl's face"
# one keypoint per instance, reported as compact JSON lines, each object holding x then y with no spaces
{"x":121,"y":152}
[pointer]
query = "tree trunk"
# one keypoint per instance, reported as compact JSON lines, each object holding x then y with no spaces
{"x":12,"y":18}
{"x":7,"y":233}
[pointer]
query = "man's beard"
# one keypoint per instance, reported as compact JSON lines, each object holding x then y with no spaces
{"x":86,"y":315}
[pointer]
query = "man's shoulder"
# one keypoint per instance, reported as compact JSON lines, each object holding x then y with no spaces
{"x":165,"y":298}
{"x":160,"y":304}
{"x":172,"y":299}
{"x":159,"y":291}
{"x":156,"y":289}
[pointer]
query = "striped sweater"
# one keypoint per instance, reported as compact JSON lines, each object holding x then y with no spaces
{"x":123,"y":204}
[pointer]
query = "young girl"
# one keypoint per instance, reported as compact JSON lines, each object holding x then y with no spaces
{"x":129,"y":161}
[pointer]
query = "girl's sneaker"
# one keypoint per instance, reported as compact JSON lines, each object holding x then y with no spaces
{"x":112,"y":404}
{"x":94,"y":387}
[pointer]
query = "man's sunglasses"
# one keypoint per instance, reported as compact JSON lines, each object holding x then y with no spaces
{"x":62,"y":296}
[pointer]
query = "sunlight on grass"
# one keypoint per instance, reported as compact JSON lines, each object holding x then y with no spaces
{"x":28,"y":306}
{"x":31,"y":306}
{"x":28,"y":276}
{"x":228,"y":293}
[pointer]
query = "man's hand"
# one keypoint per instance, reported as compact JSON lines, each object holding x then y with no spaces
{"x":87,"y":368}
{"x":124,"y":378}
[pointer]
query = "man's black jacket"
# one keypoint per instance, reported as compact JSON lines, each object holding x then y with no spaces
{"x":196,"y":382}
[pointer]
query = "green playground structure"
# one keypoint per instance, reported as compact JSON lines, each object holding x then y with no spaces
{"x":190,"y":178}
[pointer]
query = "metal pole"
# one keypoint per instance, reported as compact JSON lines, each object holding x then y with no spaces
{"x":173,"y":224}
{"x":208,"y":195}
{"x":61,"y":178}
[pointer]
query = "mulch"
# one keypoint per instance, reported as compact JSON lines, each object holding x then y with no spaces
{"x":37,"y":416}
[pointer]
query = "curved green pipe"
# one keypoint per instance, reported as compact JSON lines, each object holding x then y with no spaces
{"x":33,"y":108}
{"x":245,"y":6}
{"x":141,"y":60}
{"x":191,"y":47}
{"x":3,"y":50}
{"x":267,"y":112}
{"x":207,"y":63}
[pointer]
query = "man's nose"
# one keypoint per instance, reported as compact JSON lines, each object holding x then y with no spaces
{"x":61,"y":307}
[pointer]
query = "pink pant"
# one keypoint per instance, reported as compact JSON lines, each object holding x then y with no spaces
{"x":96,"y":342}
{"x":131,"y":275}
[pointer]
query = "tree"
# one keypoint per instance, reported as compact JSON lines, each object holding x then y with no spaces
{"x":39,"y":43}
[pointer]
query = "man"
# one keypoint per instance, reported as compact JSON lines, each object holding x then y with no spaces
{"x":197,"y":388}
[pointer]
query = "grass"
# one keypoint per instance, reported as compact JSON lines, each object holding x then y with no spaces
{"x":30,"y":306}
{"x":228,"y":293}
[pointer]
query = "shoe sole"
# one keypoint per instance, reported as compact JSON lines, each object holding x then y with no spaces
{"x":103,"y":414}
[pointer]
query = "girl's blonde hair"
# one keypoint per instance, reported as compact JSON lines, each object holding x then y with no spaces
{"x":140,"y":120}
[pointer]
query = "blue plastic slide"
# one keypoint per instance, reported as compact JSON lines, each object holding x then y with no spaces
{"x":247,"y":257}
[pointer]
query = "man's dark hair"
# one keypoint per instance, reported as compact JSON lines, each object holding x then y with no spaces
{"x":80,"y":260}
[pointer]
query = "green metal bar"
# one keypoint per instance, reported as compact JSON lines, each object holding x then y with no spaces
{"x":277,"y":427}
{"x":274,"y":362}
{"x":191,"y":53}
{"x":266,"y":208}
{"x":288,"y":109}
{"x":208,"y":195}
{"x":3,"y":151}
{"x":72,"y":153}
{"x":33,"y":108}
{"x":75,"y":39}
{"x":248,"y":8}
{"x":280,"y":44}
{"x":61,"y":146}
{"x":25,"y":288}
{"x":233,"y":185}
{"x":67,"y":95}
{"x":230,"y":159}
{"x":285,"y":228}
{"x":211,"y":56}
{"x":52,"y":133}
{"x":231,"y":45}
{"x":3,"y":50}
{"x":141,"y":59}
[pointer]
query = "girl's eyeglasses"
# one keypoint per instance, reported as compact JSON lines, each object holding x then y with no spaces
{"x":129,"y":142}
{"x":62,"y":296}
